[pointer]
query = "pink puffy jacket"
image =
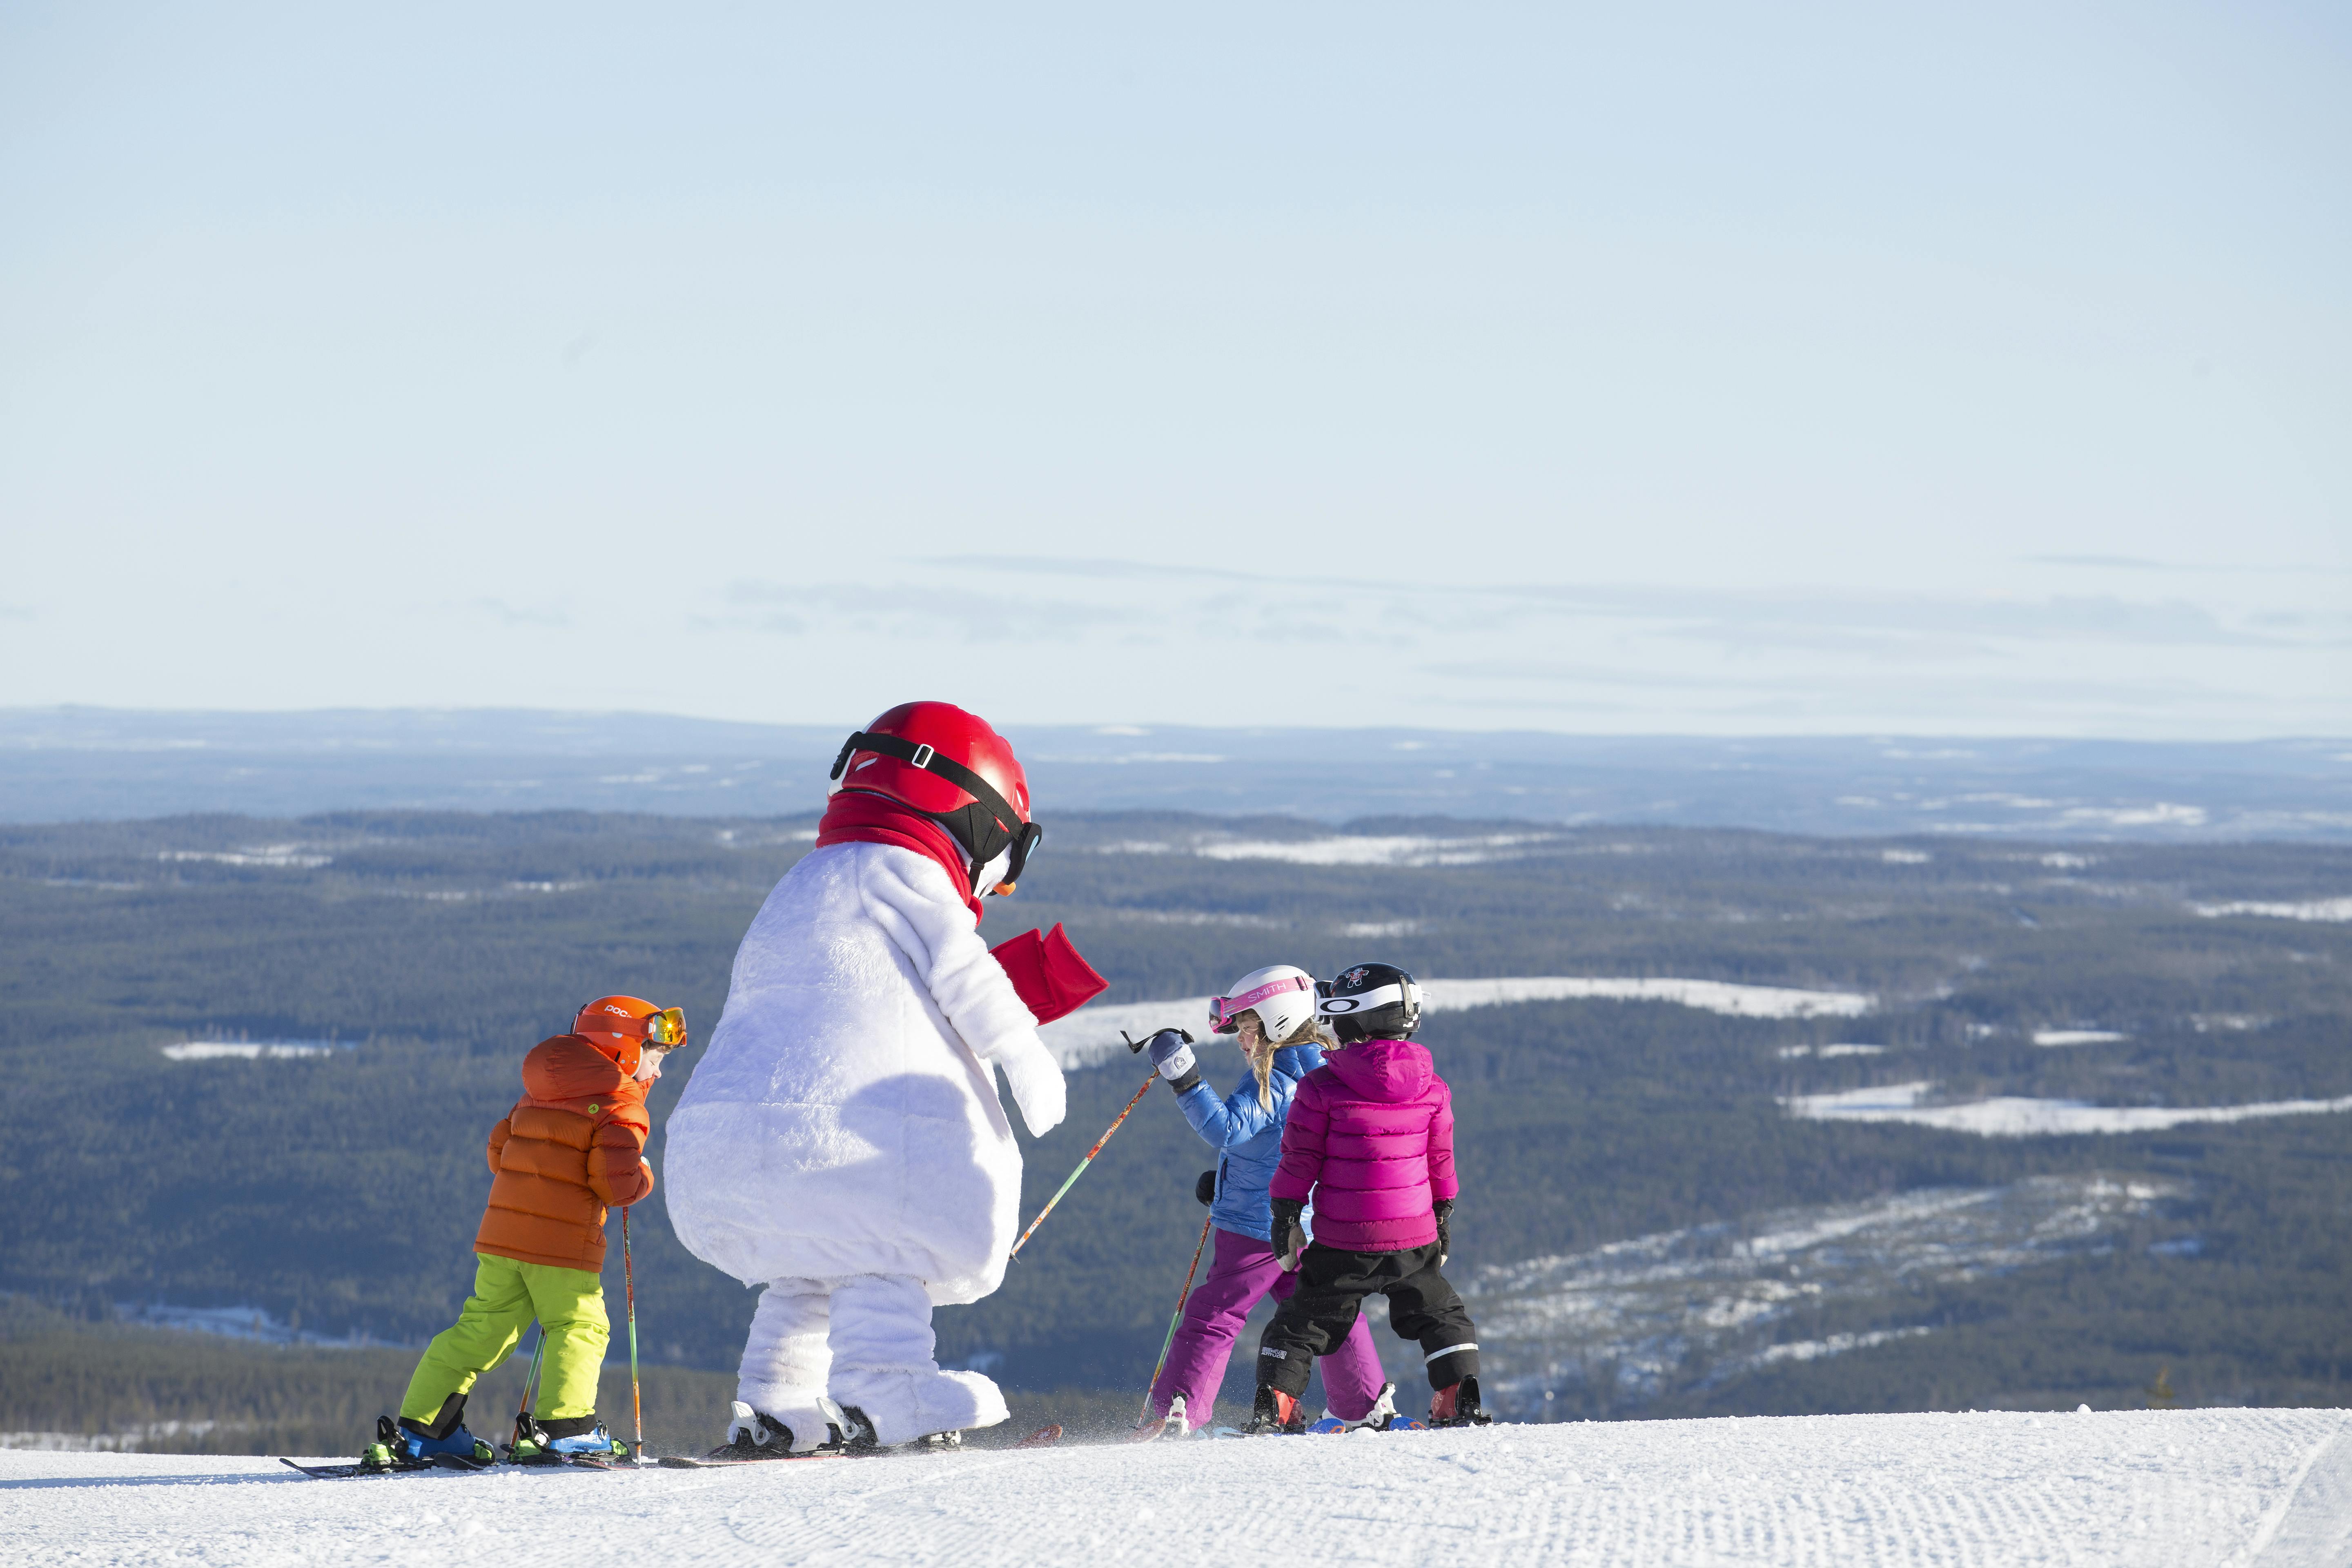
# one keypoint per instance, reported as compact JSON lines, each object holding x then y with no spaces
{"x":1370,"y":1135}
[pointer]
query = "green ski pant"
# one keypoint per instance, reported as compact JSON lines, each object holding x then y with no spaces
{"x":570,"y":1306}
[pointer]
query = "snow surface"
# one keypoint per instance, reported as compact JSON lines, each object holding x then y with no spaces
{"x":2011,"y":1117}
{"x":2252,"y":1489}
{"x":1091,"y":1034}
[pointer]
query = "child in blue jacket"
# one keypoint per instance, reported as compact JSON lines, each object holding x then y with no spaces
{"x":1273,"y":1011}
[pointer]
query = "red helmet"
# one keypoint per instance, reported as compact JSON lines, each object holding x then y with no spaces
{"x":936,"y":759}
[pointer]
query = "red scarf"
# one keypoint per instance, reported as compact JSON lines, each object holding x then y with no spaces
{"x":860,"y":816}
{"x":1047,"y":974}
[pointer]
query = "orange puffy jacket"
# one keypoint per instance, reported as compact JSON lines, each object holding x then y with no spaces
{"x":572,"y":1145}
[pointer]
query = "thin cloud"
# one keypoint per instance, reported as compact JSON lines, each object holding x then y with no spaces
{"x":1935,"y":628}
{"x":1076,"y":566}
{"x":2119,"y":563}
{"x":510,"y":614}
{"x":1804,"y":696}
{"x":796,"y":609}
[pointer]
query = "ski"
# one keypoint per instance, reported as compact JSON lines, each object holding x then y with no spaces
{"x":1044,"y":1437}
{"x":445,"y":1464}
{"x":571,"y":1462}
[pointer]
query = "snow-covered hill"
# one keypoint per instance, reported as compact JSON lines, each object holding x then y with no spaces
{"x":2261,"y":1489}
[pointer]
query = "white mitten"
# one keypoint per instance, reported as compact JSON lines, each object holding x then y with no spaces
{"x":1036,"y":1079}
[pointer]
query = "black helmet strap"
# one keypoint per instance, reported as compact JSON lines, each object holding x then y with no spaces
{"x":983,"y":828}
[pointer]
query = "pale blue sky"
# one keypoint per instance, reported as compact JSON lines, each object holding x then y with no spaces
{"x":1709,"y":369}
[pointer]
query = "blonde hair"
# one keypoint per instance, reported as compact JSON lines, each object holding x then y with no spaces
{"x":1261,"y":1052}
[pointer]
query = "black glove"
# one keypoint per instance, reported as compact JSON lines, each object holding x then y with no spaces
{"x":1205,"y":1189}
{"x":1287,"y":1213}
{"x":1445,"y":1230}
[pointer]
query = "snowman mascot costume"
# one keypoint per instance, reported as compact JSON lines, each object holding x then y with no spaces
{"x":841,"y":1142}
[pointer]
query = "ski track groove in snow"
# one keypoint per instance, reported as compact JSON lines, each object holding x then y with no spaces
{"x":2131,"y":1489}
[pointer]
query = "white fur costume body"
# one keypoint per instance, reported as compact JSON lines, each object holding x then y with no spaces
{"x":842,"y":1143}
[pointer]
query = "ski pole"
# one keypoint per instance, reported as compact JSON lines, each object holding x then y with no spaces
{"x":1082,"y":1168}
{"x":523,"y":1411}
{"x":629,"y":1286}
{"x":1173,"y":1319}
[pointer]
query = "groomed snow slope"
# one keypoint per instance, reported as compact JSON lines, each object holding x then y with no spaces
{"x":2167,"y":1489}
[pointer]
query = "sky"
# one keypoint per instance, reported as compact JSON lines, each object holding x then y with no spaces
{"x":1687,"y":369}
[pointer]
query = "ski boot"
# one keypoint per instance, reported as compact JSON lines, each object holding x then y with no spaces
{"x":1275,"y":1413}
{"x":577,"y":1437}
{"x":857,"y":1436}
{"x":529,"y":1445}
{"x":1458,"y":1405}
{"x":388,"y":1452}
{"x":752,"y":1435}
{"x":1169,"y":1426}
{"x":1381,"y":1417}
{"x":413,"y":1447}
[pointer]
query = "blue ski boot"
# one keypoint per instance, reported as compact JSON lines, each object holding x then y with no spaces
{"x":584,"y":1437}
{"x":444,"y":1441}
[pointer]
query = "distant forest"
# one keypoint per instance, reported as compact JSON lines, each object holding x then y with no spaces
{"x":341,"y":1191}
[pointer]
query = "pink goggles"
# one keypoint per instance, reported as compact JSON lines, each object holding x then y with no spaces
{"x":1224,"y":1009}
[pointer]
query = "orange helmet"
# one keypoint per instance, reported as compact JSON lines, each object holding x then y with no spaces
{"x":620,"y":1027}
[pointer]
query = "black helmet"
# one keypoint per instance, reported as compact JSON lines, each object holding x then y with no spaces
{"x":1373,"y":1001}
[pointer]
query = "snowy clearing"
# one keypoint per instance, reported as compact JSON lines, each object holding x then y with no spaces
{"x":286,"y":857}
{"x":250,"y":1323}
{"x":2310,"y":910}
{"x":2077,"y":1037}
{"x":1090,"y":1035}
{"x":249,"y":1050}
{"x":2010,"y":1117}
{"x":1368,"y":850}
{"x":1716,"y":1298}
{"x":1351,"y":849}
{"x":2142,"y":1489}
{"x":2162,"y":814}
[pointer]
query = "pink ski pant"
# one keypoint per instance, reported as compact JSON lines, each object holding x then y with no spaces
{"x":1242,"y":1270}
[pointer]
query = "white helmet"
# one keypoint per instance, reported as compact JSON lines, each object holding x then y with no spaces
{"x":1281,"y":995}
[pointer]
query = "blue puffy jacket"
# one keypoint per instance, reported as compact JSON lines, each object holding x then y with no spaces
{"x":1248,"y":1138}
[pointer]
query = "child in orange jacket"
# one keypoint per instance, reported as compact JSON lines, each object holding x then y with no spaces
{"x":573,"y":1147}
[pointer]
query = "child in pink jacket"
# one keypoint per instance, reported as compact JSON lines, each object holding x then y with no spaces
{"x":1370,"y":1137}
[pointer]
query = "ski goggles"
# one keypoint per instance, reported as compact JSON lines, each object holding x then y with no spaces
{"x":1223,"y":1010}
{"x":1403,"y":994}
{"x":665,"y":1030}
{"x":985,"y":827}
{"x":1025,"y":843}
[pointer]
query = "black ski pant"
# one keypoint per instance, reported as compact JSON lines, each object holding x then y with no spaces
{"x":1332,"y":1285}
